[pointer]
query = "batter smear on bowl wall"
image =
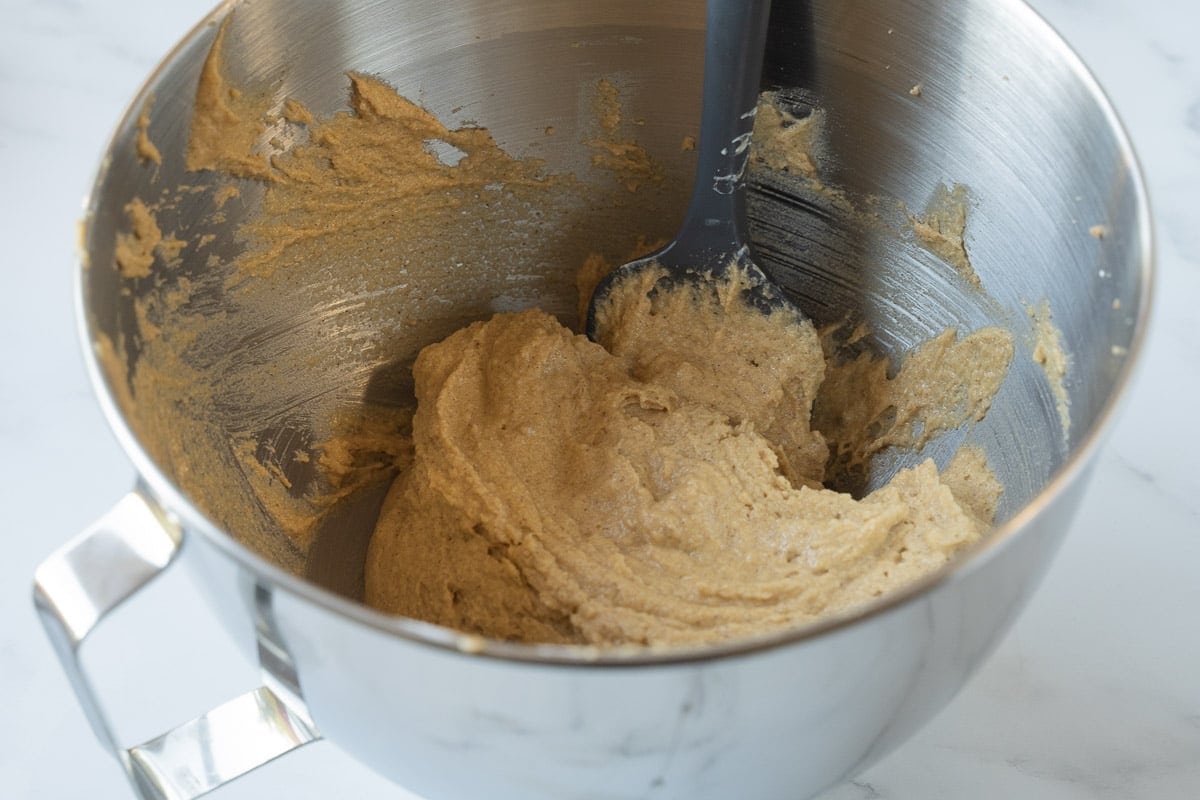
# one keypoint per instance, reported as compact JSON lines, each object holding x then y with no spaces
{"x":666,"y":486}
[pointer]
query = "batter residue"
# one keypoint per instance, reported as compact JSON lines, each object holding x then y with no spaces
{"x":665,"y":486}
{"x":942,"y":227}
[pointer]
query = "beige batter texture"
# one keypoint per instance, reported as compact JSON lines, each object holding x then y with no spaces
{"x":628,"y":161}
{"x":662,"y":487}
{"x":270,"y":377}
{"x":146,"y":150}
{"x":665,"y":486}
{"x":783,"y":142}
{"x":947,"y":381}
{"x":1049,"y":354}
{"x":942,"y":226}
{"x":136,"y":250}
{"x":227,"y":125}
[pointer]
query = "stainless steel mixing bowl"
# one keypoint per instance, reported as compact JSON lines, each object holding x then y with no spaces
{"x":1005,"y":108}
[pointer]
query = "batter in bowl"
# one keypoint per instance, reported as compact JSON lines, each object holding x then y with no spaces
{"x":662,"y":487}
{"x":664,"y":491}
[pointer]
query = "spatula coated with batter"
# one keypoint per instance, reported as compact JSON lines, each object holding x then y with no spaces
{"x":712,"y":246}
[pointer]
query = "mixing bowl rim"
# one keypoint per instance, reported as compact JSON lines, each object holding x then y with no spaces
{"x":177,"y":506}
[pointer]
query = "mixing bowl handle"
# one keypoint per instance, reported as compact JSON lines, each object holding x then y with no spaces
{"x":90,"y":576}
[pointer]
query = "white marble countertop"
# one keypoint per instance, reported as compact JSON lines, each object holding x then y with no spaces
{"x":1094,"y":694}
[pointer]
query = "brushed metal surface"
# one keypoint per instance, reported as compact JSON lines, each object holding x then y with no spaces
{"x":1005,"y":109}
{"x":88,"y":579}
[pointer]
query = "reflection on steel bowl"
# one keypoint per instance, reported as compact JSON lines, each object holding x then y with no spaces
{"x":969,"y":202}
